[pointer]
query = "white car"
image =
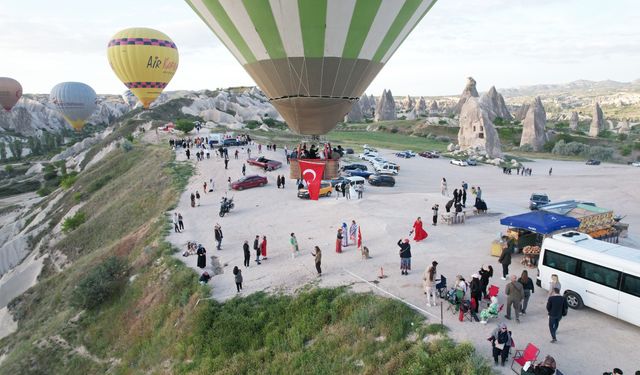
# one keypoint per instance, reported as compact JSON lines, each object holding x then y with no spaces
{"x":378,"y":160}
{"x":368,"y":156}
{"x":387,"y":168}
{"x":636,"y":163}
{"x":461,"y":163}
{"x":356,"y":180}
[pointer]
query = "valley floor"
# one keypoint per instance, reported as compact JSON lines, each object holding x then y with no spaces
{"x":589,"y":342}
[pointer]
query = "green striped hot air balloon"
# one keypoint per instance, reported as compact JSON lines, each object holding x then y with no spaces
{"x":312,"y":58}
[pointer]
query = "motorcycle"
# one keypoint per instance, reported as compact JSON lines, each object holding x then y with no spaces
{"x":226,"y":204}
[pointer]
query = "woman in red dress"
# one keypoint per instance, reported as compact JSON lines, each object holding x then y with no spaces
{"x":419,"y":233}
{"x":263,"y":247}
{"x":339,"y":241}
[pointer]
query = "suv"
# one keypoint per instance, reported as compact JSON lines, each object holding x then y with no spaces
{"x":382,"y":180}
{"x":593,"y":162}
{"x":537,"y":200}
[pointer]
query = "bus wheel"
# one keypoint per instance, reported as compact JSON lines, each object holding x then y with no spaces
{"x":573,"y":300}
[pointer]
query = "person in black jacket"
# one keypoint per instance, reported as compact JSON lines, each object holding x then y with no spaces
{"x":247,"y":253}
{"x":405,"y":256}
{"x":505,"y":257}
{"x":256,"y":247}
{"x":476,"y":291}
{"x":218,"y":234}
{"x":557,"y":308}
{"x":486,"y":272}
{"x":527,"y":284}
{"x":501,"y":343}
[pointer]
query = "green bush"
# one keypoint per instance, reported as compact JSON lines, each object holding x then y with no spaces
{"x":100,"y":283}
{"x":443,"y":138}
{"x":252,"y":124}
{"x":548,"y":146}
{"x":72,"y":222}
{"x":622,"y":137}
{"x":184,"y":126}
{"x":442,"y":122}
{"x":126,"y":145}
{"x":526,"y":148}
{"x":67,"y":181}
{"x":500,"y":121}
{"x":626,"y":150}
{"x":605,"y":134}
{"x":394,"y":130}
{"x":44,"y":191}
{"x":600,"y":152}
{"x":99,"y":183}
{"x":79,"y":196}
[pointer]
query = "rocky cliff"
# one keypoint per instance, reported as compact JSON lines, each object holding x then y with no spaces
{"x":469,"y":91}
{"x":494,"y":102}
{"x":355,"y":114}
{"x":573,"y":122}
{"x":477,"y":132}
{"x":597,"y":123}
{"x":421,"y":107}
{"x":533,"y":127}
{"x":386,"y":107}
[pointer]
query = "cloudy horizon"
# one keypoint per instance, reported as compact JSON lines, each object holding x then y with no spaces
{"x":506,"y":43}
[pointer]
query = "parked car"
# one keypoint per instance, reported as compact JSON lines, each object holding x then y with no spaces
{"x":593,"y":162}
{"x":230,"y":142}
{"x":356,"y":180}
{"x":264,"y":163}
{"x":348,"y":151}
{"x":386,"y":168}
{"x":402,"y":154}
{"x":636,"y":164}
{"x":358,"y":172}
{"x":382,"y":180}
{"x":338,"y":180}
{"x":428,"y":155}
{"x":368,"y":155}
{"x":537,"y":200}
{"x":325,"y":190}
{"x":369,"y":148}
{"x":248,"y":182}
{"x":461,"y":163}
{"x":410,"y":153}
{"x":351,"y":167}
{"x":471,"y":162}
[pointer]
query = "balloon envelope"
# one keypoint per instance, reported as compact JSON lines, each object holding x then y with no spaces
{"x":10,"y":92}
{"x":313,"y":58}
{"x":76,"y":101}
{"x":144,"y":60}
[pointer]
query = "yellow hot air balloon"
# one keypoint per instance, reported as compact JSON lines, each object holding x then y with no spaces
{"x":145,"y":60}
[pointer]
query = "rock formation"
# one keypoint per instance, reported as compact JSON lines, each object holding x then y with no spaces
{"x":521,"y":113}
{"x":597,"y":123}
{"x":573,"y":122}
{"x":421,"y":107}
{"x":533,"y":127}
{"x":408,"y":103}
{"x":623,"y":127}
{"x":468,"y":92}
{"x":477,"y":131}
{"x":355,"y":114}
{"x":386,"y":107}
{"x":494,"y":103}
{"x":434,"y":110}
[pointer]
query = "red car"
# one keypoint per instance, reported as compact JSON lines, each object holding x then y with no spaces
{"x":264,"y":163}
{"x":429,"y":155}
{"x":248,"y":182}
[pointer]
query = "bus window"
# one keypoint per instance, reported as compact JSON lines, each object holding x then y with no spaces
{"x":600,"y":275}
{"x":560,"y":262}
{"x":631,"y":285}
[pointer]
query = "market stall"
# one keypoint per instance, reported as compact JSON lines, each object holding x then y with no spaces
{"x":595,"y":221}
{"x":528,"y":230}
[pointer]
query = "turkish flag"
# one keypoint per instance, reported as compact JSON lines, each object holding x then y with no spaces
{"x":312,"y":173}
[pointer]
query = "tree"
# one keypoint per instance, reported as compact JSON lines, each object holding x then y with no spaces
{"x":3,"y":151}
{"x":184,"y":126}
{"x":16,"y":148}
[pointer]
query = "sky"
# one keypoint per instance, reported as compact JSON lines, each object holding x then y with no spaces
{"x":506,"y":43}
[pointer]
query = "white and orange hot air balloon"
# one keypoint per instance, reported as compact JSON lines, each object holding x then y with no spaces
{"x":10,"y":92}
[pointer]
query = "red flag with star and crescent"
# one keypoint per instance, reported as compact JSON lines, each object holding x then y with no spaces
{"x":312,"y":173}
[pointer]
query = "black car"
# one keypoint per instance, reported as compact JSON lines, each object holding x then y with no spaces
{"x":348,"y":151}
{"x":382,"y":180}
{"x":351,"y":167}
{"x":230,"y":142}
{"x":538,"y":199}
{"x":593,"y":162}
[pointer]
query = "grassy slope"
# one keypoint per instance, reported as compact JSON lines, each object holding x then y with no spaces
{"x":154,"y":326}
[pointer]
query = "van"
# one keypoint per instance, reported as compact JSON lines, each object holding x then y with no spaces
{"x":387,"y":168}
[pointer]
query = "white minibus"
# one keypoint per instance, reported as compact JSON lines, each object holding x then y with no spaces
{"x":593,"y":273}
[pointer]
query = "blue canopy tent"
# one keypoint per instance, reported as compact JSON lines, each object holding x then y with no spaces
{"x":540,"y":222}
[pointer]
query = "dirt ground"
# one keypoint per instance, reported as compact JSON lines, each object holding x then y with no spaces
{"x":588,"y":341}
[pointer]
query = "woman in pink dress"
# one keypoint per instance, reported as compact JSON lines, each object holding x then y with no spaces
{"x":419,"y":233}
{"x":263,"y":247}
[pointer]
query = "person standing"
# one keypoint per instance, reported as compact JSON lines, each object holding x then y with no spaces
{"x":360,"y":190}
{"x":405,"y":256}
{"x":505,"y":257}
{"x":464,"y":197}
{"x":527,"y":286}
{"x":557,"y":308}
{"x":515,"y":294}
{"x":345,"y":235}
{"x":339,"y":241}
{"x":443,"y":187}
{"x":318,"y":259}
{"x":353,"y":231}
{"x":244,"y":169}
{"x":554,"y":283}
{"x":550,"y":171}
{"x":456,"y":196}
{"x":218,"y":234}
{"x":202,"y":256}
{"x":476,"y":291}
{"x":478,"y":193}
{"x":197,"y":198}
{"x":180,"y":222}
{"x":278,"y":181}
{"x":238,"y":278}
{"x":193,"y":200}
{"x":418,"y":231}
{"x":188,"y":153}
{"x":486,"y":272}
{"x":256,"y":248}
{"x":500,"y":343}
{"x":294,"y":245}
{"x":429,"y":279}
{"x":247,"y":253}
{"x":282,"y":179}
{"x":226,"y":163}
{"x":176,"y":227}
{"x":204,"y":185}
{"x":434,"y":209}
{"x":263,"y":247}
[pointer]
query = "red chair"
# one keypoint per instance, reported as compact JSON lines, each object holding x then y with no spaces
{"x":493,"y":291}
{"x":530,"y":353}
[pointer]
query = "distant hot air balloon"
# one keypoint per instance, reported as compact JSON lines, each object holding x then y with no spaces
{"x":76,"y":101}
{"x":10,"y":92}
{"x":144,"y":60}
{"x":313,"y":58}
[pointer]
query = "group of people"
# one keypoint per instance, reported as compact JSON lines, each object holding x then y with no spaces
{"x":522,"y":171}
{"x":346,"y":233}
{"x":280,"y":181}
{"x":346,"y":189}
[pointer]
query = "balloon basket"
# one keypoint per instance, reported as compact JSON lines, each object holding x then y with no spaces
{"x":331,"y":168}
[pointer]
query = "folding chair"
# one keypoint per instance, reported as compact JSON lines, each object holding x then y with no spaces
{"x":530,"y":353}
{"x":441,"y":287}
{"x":470,"y":315}
{"x":493,"y":291}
